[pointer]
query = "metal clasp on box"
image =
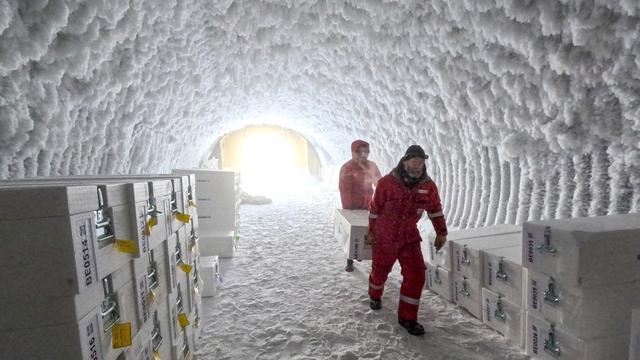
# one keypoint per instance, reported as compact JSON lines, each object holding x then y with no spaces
{"x":192,"y":236}
{"x":464,"y":291}
{"x":547,"y":247}
{"x":178,"y":253}
{"x":179,"y":305}
{"x":551,"y":345}
{"x":152,"y":210}
{"x":185,"y":345}
{"x":437,"y":275}
{"x":499,"y":313}
{"x":550,"y":296}
{"x":195,"y":273}
{"x":500,"y":273}
{"x":104,"y":226}
{"x":156,"y":334}
{"x":109,"y":308}
{"x":465,"y":255}
{"x":152,"y":271}
{"x":174,"y":201}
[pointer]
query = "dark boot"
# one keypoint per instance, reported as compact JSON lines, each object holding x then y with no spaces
{"x":413,"y":327}
{"x":375,"y":303}
{"x":349,"y":267}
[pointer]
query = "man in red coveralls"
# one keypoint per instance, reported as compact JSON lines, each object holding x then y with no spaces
{"x":358,"y":177}
{"x":399,"y":201}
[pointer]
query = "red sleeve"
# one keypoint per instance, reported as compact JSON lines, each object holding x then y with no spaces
{"x":434,"y":210}
{"x":377,"y":202}
{"x":345,"y":185}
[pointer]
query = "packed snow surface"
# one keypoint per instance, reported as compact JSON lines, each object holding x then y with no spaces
{"x":285,"y":295}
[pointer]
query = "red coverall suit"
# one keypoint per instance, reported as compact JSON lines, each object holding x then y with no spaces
{"x":394,"y":214}
{"x":357,"y":181}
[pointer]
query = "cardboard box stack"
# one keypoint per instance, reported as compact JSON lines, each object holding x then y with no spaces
{"x":98,"y":267}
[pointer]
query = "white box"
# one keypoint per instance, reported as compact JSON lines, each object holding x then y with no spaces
{"x":216,"y":197}
{"x":587,"y":313}
{"x":439,"y":280}
{"x":53,"y":256}
{"x":484,"y":231}
{"x":504,"y":316}
{"x":547,"y":341}
{"x":170,"y":262}
{"x":72,"y":341}
{"x":634,"y":348}
{"x":351,"y":229}
{"x":585,"y":252}
{"x":503,"y":272}
{"x":221,"y":244}
{"x":440,"y":257}
{"x":210,"y":274}
{"x":467,"y":293}
{"x":46,"y":201}
{"x":467,"y":258}
{"x":176,"y":304}
{"x":161,"y":332}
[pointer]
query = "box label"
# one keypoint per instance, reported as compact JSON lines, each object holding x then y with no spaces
{"x":530,"y":246}
{"x":90,"y":339}
{"x":141,"y":221}
{"x":83,"y":235}
{"x":534,"y":294}
{"x":488,"y":309}
{"x":143,"y":290}
{"x":490,"y":273}
{"x":534,"y":339}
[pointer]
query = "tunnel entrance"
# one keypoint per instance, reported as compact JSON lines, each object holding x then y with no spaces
{"x":270,"y":159}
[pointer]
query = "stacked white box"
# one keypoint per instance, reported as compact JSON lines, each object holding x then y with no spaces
{"x":210,"y":274}
{"x":504,"y":281}
{"x":634,"y":348}
{"x":468,"y":267}
{"x":439,"y":280}
{"x":82,"y":209}
{"x":217,"y":199}
{"x":582,"y":283}
{"x":503,"y":272}
{"x":545,"y":340}
{"x":351,"y":229}
{"x":443,"y":258}
{"x":504,"y":316}
{"x":222,"y":244}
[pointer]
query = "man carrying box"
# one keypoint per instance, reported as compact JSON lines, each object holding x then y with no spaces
{"x":358,"y":178}
{"x":400,"y":199}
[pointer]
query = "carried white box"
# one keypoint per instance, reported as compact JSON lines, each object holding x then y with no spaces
{"x":504,"y":316}
{"x":351,"y":228}
{"x":222,"y":244}
{"x":493,"y":230}
{"x":548,"y":341}
{"x":467,"y":293}
{"x":634,"y":348}
{"x":503,"y":272}
{"x":587,"y":313}
{"x":467,"y":256}
{"x":439,"y":280}
{"x":584,"y":252}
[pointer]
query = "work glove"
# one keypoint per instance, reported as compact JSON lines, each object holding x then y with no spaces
{"x":440,"y":240}
{"x":370,"y":239}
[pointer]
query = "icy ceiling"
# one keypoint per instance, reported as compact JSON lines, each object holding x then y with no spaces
{"x":529,"y":109}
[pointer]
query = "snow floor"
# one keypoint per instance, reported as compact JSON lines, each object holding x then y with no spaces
{"x":285,"y":295}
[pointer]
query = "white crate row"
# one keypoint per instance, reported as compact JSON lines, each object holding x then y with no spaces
{"x":578,"y":285}
{"x":64,"y":278}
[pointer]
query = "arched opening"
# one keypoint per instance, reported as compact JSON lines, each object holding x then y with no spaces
{"x":270,"y":159}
